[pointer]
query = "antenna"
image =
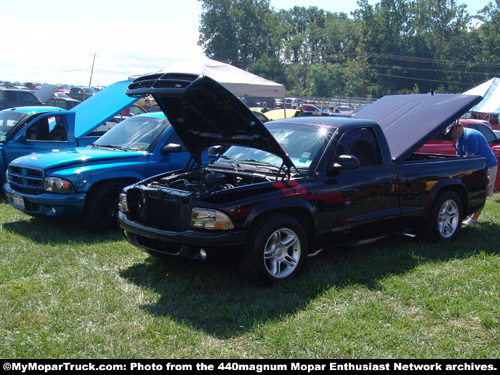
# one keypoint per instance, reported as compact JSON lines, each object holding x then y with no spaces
{"x":92,"y":70}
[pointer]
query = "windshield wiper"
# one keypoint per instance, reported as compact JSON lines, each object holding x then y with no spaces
{"x":258,"y":162}
{"x":110,"y":146}
{"x":230,"y":159}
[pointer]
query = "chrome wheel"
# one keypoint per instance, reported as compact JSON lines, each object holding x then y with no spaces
{"x":448,"y":218}
{"x":282,"y":253}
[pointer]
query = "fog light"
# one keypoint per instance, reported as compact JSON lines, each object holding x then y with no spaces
{"x":203,"y":254}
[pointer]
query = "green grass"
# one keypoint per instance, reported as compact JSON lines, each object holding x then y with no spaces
{"x":68,"y":293}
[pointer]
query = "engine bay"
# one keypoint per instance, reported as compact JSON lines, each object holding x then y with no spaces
{"x":205,"y":181}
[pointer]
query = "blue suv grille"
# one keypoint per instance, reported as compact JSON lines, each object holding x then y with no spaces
{"x":28,"y":180}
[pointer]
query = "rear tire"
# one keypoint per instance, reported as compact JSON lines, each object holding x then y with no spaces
{"x":276,"y":250}
{"x":445,"y":219}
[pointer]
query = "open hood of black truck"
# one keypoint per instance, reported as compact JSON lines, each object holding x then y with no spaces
{"x":204,"y":113}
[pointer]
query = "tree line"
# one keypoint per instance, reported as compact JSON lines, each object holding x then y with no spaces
{"x":392,"y":47}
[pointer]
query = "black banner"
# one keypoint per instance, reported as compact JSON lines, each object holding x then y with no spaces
{"x":258,"y":366}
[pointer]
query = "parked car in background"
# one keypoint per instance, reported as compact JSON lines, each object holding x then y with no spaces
{"x":277,"y":114}
{"x":86,"y":181}
{"x":292,"y":103}
{"x":62,"y":100}
{"x":490,"y":118}
{"x":343,"y":109}
{"x":44,"y":92}
{"x":10,"y":98}
{"x":309,"y":108}
{"x":24,"y":130}
{"x":82,"y":93}
{"x":443,"y":144}
{"x":130,"y":111}
{"x":260,"y":115}
{"x":6,"y":84}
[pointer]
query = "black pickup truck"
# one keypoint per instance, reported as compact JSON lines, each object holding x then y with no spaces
{"x":277,"y":192}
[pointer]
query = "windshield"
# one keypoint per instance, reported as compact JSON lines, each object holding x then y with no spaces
{"x":302,"y":143}
{"x":134,"y":133}
{"x":8,"y":121}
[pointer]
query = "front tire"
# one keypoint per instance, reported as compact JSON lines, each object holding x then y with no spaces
{"x":445,"y":219}
{"x":276,"y":250}
{"x":101,"y":208}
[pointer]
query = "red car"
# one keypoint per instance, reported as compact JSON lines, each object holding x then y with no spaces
{"x":444,"y":145}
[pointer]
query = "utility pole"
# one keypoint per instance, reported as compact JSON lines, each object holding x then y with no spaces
{"x":92,"y":70}
{"x":364,"y":76}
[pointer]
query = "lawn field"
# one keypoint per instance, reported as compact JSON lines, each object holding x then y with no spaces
{"x":69,"y":293}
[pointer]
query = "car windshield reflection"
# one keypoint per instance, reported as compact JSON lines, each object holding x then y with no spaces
{"x":301,"y":143}
{"x":135,"y":134}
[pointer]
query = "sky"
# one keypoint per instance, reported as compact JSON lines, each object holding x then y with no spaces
{"x":60,"y":41}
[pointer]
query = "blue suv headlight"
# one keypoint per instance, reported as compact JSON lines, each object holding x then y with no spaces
{"x":58,"y":185}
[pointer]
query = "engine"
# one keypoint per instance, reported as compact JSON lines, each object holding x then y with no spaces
{"x":200,"y":181}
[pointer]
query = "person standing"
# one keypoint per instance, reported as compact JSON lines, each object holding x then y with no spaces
{"x":470,"y":142}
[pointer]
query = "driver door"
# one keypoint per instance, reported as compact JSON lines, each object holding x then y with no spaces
{"x":45,"y":133}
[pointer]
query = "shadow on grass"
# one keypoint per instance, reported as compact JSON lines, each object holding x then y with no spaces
{"x":216,"y":300}
{"x":56,"y":231}
{"x":44,"y":231}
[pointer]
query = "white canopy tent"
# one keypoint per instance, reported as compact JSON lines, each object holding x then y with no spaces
{"x":238,"y":81}
{"x":490,"y":91}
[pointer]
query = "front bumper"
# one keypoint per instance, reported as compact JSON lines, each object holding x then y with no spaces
{"x":46,"y":204}
{"x":187,"y":244}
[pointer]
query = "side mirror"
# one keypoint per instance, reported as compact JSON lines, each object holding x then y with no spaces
{"x":214,"y":151}
{"x":343,"y":162}
{"x":171,"y":147}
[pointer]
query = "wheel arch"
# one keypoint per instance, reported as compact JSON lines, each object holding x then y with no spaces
{"x":125,"y":180}
{"x":299,"y":209}
{"x":455,"y":185}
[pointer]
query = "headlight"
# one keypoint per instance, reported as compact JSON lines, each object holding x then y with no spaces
{"x":58,"y":185}
{"x":210,"y":219}
{"x":7,"y":179}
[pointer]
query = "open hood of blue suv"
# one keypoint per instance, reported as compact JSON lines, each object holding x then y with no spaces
{"x":101,"y":107}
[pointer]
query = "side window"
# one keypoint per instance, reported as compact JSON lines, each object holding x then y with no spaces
{"x":361,"y":143}
{"x":11,"y":96}
{"x":47,"y":129}
{"x":27,"y":98}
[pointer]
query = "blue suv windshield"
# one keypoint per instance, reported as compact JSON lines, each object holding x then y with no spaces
{"x":135,"y":133}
